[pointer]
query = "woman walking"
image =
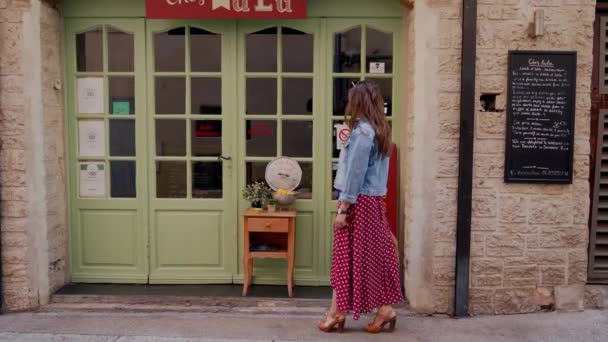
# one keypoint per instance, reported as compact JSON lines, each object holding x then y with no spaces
{"x":365,"y":268}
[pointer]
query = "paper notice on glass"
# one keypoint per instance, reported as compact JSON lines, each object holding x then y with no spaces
{"x":92,"y":179}
{"x":377,"y":68}
{"x":91,"y":138}
{"x":90,"y":95}
{"x":342,"y":135}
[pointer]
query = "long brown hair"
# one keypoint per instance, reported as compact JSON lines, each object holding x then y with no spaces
{"x":365,"y":102}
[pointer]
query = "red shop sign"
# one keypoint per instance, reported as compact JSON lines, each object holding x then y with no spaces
{"x":226,"y":9}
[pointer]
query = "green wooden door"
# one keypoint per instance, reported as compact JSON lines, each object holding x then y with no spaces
{"x":106,"y":125}
{"x":192,"y":114}
{"x":279,"y":97}
{"x":356,"y":49}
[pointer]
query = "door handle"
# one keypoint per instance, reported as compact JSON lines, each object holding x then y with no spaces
{"x":222,"y":158}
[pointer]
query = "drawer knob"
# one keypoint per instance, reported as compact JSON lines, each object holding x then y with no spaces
{"x":268,"y":225}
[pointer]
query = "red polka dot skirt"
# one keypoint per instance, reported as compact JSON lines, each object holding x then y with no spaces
{"x":365,"y":266}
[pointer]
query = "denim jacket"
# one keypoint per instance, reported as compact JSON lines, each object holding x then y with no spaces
{"x":362,"y":169}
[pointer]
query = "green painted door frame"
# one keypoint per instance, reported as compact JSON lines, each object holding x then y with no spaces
{"x":190,"y":240}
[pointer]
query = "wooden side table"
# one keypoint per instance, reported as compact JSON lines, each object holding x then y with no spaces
{"x":271,"y":229}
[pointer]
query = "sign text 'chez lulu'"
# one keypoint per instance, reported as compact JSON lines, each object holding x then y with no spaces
{"x":226,"y":9}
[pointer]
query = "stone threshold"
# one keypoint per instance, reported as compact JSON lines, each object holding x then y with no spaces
{"x":219,"y":305}
{"x":143,"y":302}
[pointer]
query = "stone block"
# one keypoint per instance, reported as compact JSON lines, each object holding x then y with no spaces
{"x":447,"y":166}
{"x":550,"y":210}
{"x":505,"y":245}
{"x":521,"y":272}
{"x":513,"y":209}
{"x":581,"y":167}
{"x":517,"y":228}
{"x":577,"y":266}
{"x":570,"y":298}
{"x":484,"y":224}
{"x":449,"y":125}
{"x":519,"y":300}
{"x":552,"y":275}
{"x":484,"y":203}
{"x":487,"y":281}
{"x":477,"y":295}
{"x":490,"y":125}
{"x":520,"y":282}
{"x":478,"y":309}
{"x":544,"y":297}
{"x":14,"y":239}
{"x":443,"y":299}
{"x":447,"y":147}
{"x":596,"y":297}
{"x":444,"y":249}
{"x":489,"y":146}
{"x":15,"y":209}
{"x":564,"y":237}
{"x":484,"y":267}
{"x":547,"y":257}
{"x":478,"y":245}
{"x":489,"y":166}
{"x":445,"y":204}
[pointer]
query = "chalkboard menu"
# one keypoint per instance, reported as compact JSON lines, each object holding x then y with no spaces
{"x":540,"y":118}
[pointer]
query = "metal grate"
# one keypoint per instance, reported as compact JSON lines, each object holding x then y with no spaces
{"x":603,"y":70}
{"x":598,"y":248}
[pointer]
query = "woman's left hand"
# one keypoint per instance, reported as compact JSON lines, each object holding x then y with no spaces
{"x":340,"y":221}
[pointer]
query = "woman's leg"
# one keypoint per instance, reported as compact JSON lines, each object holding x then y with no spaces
{"x":333,"y":309}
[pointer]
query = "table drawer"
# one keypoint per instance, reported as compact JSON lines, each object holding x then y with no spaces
{"x":270,"y":225}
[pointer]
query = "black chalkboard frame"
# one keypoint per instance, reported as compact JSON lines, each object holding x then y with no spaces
{"x":546,"y":180}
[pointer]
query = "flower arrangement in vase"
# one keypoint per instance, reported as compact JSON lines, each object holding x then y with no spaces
{"x":257,"y":194}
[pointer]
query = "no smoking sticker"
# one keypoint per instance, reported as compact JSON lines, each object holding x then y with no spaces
{"x":342,"y":135}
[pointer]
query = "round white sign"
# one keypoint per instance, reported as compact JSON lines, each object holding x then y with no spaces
{"x":283,"y":173}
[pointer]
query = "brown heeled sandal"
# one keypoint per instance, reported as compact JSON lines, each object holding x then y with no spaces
{"x":336,"y":321}
{"x":374,"y":329}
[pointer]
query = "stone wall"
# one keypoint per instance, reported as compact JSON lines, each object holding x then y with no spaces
{"x":529,"y":241}
{"x":430,"y":152}
{"x":32,"y":177}
{"x":54,"y":140}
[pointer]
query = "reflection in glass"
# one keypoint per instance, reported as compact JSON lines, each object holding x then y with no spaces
{"x":386,"y":87}
{"x":341,"y":88}
{"x":206,"y":138}
{"x":122,"y":138}
{"x":170,"y":95}
{"x":261,"y":138}
{"x":297,"y":96}
{"x":262,"y":51}
{"x":334,"y":171}
{"x":89,"y":50}
{"x":298,"y":51}
{"x":205,"y":51}
{"x":297,"y":139}
{"x":171,"y":179}
{"x":170,"y":137}
{"x":206,"y":95}
{"x":170,"y":50}
{"x":305,"y":188}
{"x":379,"y":47}
{"x":347,"y":51}
{"x":120,"y":50}
{"x":122,"y":179}
{"x":122,"y":94}
{"x":261,"y":96}
{"x":255,"y":172}
{"x":207,"y":180}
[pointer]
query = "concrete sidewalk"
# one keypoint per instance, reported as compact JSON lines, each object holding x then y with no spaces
{"x":590,"y":325}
